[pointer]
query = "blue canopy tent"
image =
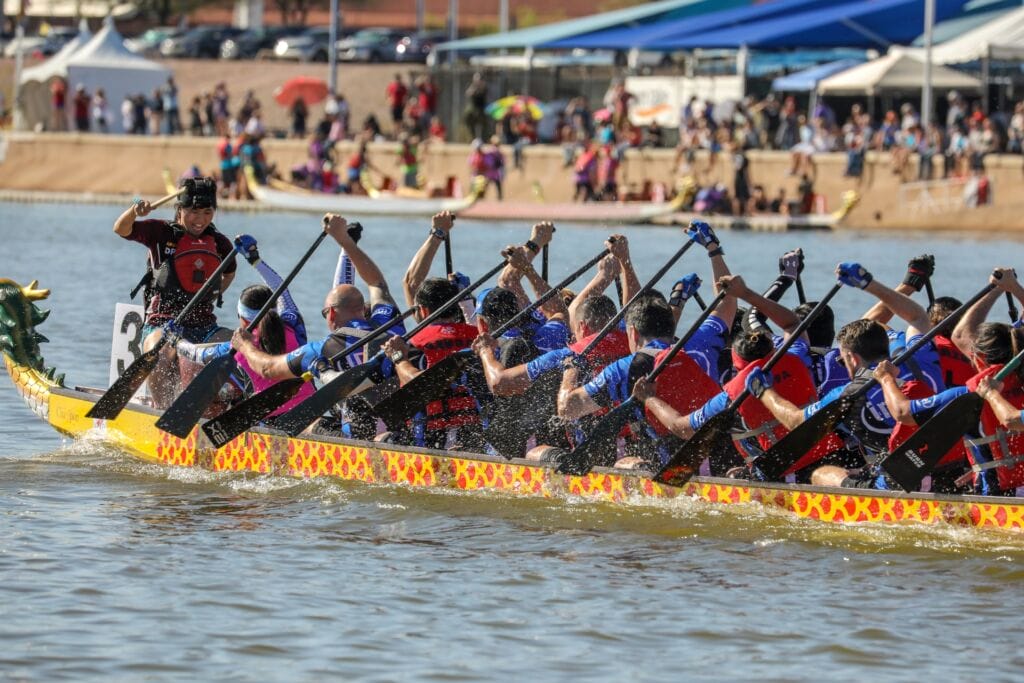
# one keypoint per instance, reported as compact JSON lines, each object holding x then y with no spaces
{"x":868,"y":24}
{"x":807,"y":80}
{"x":528,"y":38}
{"x":640,"y":36}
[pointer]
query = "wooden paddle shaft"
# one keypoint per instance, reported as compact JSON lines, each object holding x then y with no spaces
{"x":163,"y":200}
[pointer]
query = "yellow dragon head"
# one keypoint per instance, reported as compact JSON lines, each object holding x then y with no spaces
{"x":18,"y":319}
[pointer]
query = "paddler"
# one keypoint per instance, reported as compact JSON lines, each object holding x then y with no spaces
{"x":870,"y":429}
{"x":453,"y":421}
{"x":347,"y":320}
{"x":282,"y":330}
{"x":183,"y":253}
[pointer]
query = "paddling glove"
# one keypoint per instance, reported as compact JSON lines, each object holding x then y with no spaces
{"x":791,"y":264}
{"x":247,"y":247}
{"x":919,"y":271}
{"x":701,"y":233}
{"x":461,"y":282}
{"x":355,"y":231}
{"x":757,"y":382}
{"x":853,"y":274}
{"x":684,"y":288}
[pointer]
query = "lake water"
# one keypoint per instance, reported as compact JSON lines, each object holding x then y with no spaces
{"x":119,"y":571}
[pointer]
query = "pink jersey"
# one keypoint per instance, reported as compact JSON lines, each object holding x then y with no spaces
{"x":260,"y":383}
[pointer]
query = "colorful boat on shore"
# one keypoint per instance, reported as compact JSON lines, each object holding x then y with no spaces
{"x":273,"y":453}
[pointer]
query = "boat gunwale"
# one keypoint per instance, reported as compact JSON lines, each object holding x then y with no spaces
{"x":87,"y":394}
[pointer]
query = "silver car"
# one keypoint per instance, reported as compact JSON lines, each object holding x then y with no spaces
{"x":313,"y":45}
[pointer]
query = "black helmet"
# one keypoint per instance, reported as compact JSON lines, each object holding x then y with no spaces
{"x":200,"y":193}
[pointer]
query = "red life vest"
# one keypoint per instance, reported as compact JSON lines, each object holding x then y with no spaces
{"x":956,"y":367}
{"x":181,"y":274}
{"x":612,"y":347}
{"x":793,"y":382}
{"x":683,"y":385}
{"x":586,"y":161}
{"x":437,"y":342}
{"x":1003,"y":444}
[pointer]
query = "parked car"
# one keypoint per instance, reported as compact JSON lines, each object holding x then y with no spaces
{"x":370,"y":45}
{"x":199,"y":42}
{"x":312,"y":45}
{"x":416,"y":47}
{"x":148,"y":44}
{"x":58,"y":37}
{"x":250,"y":43}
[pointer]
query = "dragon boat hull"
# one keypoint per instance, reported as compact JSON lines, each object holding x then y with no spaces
{"x":274,"y":453}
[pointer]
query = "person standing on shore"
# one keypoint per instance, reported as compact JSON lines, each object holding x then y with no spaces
{"x":395,"y":93}
{"x":80,"y":105}
{"x":100,"y":113}
{"x":171,"y":107}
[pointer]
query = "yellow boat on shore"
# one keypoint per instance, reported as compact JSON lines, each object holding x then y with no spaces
{"x":265,"y":451}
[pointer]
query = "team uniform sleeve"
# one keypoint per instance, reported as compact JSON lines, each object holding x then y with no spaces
{"x":714,"y":406}
{"x":707,"y":344}
{"x":383,"y":312}
{"x":551,"y":335}
{"x":552,"y":360}
{"x":923,"y":409}
{"x":825,"y":400}
{"x":302,"y":359}
{"x":146,"y":232}
{"x":609,"y":381}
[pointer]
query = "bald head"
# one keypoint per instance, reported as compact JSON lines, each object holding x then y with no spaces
{"x":346,"y":303}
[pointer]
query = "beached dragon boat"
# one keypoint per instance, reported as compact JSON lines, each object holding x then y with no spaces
{"x":280,"y":195}
{"x":273,"y":453}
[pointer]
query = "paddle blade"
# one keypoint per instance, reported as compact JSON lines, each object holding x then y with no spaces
{"x":600,"y":442}
{"x":325,"y":398}
{"x":249,"y":412}
{"x":430,"y":385}
{"x":186,"y":410}
{"x":790,"y":448}
{"x":685,"y":462}
{"x":121,"y":391}
{"x":917,"y":457}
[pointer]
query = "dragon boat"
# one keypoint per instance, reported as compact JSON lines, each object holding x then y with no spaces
{"x":263,"y":451}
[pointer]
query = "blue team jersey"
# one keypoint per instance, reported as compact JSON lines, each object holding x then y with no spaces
{"x":303,"y":358}
{"x":924,"y":365}
{"x":707,"y":344}
{"x":552,"y":360}
{"x":549,"y":335}
{"x":923,"y":409}
{"x":614,"y":379}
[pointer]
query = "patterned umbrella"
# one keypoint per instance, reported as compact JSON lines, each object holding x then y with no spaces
{"x":310,"y":89}
{"x":517,"y":104}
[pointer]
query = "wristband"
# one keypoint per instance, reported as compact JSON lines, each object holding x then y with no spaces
{"x":717,"y":251}
{"x":438,"y":233}
{"x":532,"y":246}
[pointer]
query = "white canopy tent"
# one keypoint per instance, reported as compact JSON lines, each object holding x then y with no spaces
{"x":35,"y":80}
{"x":103,"y":62}
{"x":1000,"y":39}
{"x":898,"y":71}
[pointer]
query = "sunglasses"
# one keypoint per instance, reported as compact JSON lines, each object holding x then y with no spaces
{"x":325,"y":310}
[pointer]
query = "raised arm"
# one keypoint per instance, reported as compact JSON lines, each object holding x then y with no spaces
{"x":618,"y":245}
{"x":554,"y":308}
{"x":366,"y":269}
{"x":735,"y":286}
{"x":419,"y":267}
{"x":123,"y":224}
{"x":919,"y":271}
{"x":855,"y":275}
{"x":967,"y":329}
{"x":607,"y":271}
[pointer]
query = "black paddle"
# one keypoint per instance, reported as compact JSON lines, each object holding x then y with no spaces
{"x":790,"y":448}
{"x":449,"y":268}
{"x":684,"y":463}
{"x":110,"y":404}
{"x":544,"y":263}
{"x":188,"y":408}
{"x":432,"y":383}
{"x":325,"y":398}
{"x":602,"y":437}
{"x":1011,"y":307}
{"x":614,"y":322}
{"x":918,"y":456}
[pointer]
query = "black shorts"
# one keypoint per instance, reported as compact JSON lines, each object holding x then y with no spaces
{"x":397,"y":114}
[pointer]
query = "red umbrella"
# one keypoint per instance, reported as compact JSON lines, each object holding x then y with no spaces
{"x":307,"y":88}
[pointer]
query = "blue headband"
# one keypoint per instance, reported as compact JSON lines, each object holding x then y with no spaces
{"x":246,"y":312}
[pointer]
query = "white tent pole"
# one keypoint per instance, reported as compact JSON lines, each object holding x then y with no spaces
{"x":332,"y":50}
{"x":453,"y":34}
{"x":503,"y":21}
{"x":926,"y":91}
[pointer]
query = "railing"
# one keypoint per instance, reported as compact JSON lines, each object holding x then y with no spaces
{"x":936,"y":196}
